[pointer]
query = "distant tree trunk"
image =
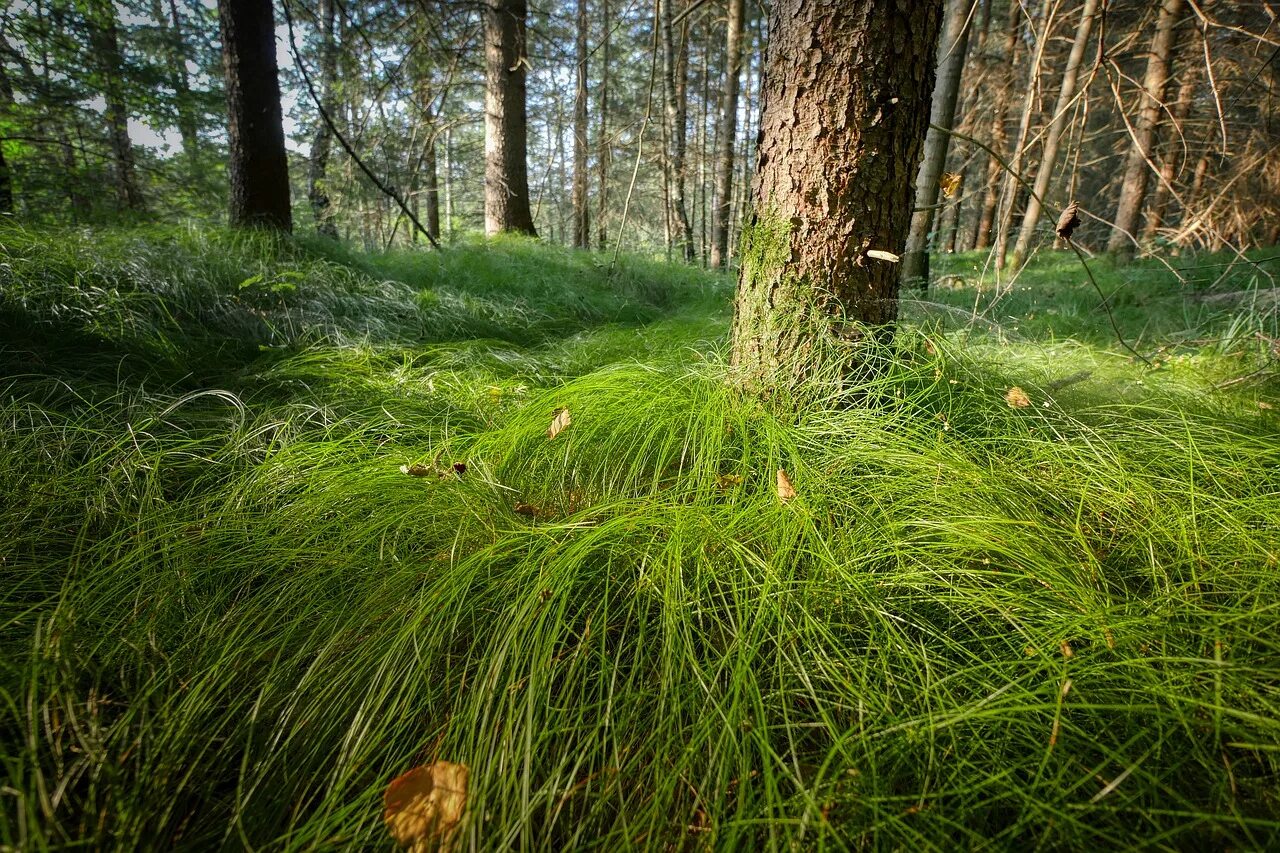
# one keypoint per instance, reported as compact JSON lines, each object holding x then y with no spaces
{"x":448,"y":180}
{"x":952,"y":48}
{"x":673,"y":78}
{"x":1133,"y":183}
{"x":727,"y":136}
{"x":999,"y":136}
{"x":6,"y":176}
{"x":321,"y":144}
{"x":846,"y":108}
{"x":581,"y":215}
{"x":506,"y":170}
{"x":259,"y":167}
{"x":430,"y":177}
{"x":104,"y":40}
{"x":1053,"y":139}
{"x":1177,"y":118}
{"x":170,"y":23}
{"x":603,"y":152}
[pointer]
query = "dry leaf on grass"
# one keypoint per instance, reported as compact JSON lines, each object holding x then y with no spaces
{"x":417,"y":469}
{"x":1017,"y":398}
{"x":1069,"y":221}
{"x":559,"y":421}
{"x":422,"y":808}
{"x":786,"y":490}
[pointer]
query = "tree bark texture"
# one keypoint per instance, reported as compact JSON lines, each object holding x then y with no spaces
{"x":676,"y":94}
{"x":727,"y":135}
{"x":1133,"y":183}
{"x":581,"y":214}
{"x":259,"y":167}
{"x":603,"y":149}
{"x":999,"y":136}
{"x":321,"y":144}
{"x":105,"y":41}
{"x":846,"y":99}
{"x":506,"y":170}
{"x":951,"y":49}
{"x":1057,"y":125}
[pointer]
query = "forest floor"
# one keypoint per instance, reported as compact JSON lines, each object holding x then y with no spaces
{"x":280,"y":521}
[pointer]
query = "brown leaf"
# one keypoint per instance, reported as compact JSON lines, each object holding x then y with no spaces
{"x":786,"y":491}
{"x":422,"y":808}
{"x":1068,"y":222}
{"x":417,"y":469}
{"x":459,"y":468}
{"x":1017,"y":398}
{"x":559,"y":421}
{"x":528,"y":509}
{"x":949,"y":183}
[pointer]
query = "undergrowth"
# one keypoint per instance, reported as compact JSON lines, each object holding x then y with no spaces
{"x":230,"y":618}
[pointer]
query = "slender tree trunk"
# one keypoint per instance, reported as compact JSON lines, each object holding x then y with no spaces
{"x":321,"y":144}
{"x":673,"y":76}
{"x":105,"y":42}
{"x":430,"y":176}
{"x":1053,"y":139}
{"x":727,"y":134}
{"x":6,"y":176}
{"x":581,"y":215}
{"x":846,"y":108}
{"x":259,"y":167}
{"x":1133,"y":183}
{"x":999,"y":136}
{"x":952,"y":48}
{"x":1177,"y":118}
{"x":506,"y":173}
{"x":603,"y":151}
{"x":448,"y":181}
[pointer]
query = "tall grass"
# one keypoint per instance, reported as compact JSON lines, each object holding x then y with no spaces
{"x":230,"y":619}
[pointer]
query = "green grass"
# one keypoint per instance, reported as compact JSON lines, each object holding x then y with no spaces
{"x":230,"y":620}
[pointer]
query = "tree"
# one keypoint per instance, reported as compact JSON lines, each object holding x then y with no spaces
{"x":846,"y":108}
{"x":727,"y":135}
{"x":259,"y":167}
{"x":952,"y":49}
{"x":100,"y":15}
{"x":506,"y":174}
{"x":1133,"y":184}
{"x":321,"y":143}
{"x":581,"y":215}
{"x":675,"y":89}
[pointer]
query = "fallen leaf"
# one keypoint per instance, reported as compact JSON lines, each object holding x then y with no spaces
{"x":949,"y":183}
{"x":1067,"y":651}
{"x":1017,"y":398}
{"x":459,"y":468}
{"x":559,"y":421}
{"x":1262,"y":404}
{"x":786,"y":491}
{"x":422,"y":808}
{"x":417,"y":469}
{"x":530,"y":510}
{"x":881,"y":255}
{"x":1069,"y":221}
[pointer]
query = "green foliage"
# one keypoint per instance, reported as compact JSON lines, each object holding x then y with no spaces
{"x":229,"y":619}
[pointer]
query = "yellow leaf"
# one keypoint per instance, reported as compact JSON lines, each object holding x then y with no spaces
{"x":1017,"y":398}
{"x":558,"y":423}
{"x":949,"y":183}
{"x":422,"y":808}
{"x":786,"y":491}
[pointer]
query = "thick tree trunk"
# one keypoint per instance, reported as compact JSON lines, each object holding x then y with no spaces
{"x":581,"y":215}
{"x":105,"y":42}
{"x":1133,"y":183}
{"x":506,"y":170}
{"x":321,"y":143}
{"x":673,"y":78}
{"x":1053,"y":139}
{"x":727,"y":135}
{"x":952,"y":48}
{"x":259,"y":167}
{"x":846,"y":108}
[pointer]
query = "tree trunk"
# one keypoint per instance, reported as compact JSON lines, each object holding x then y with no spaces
{"x":170,"y":24}
{"x":259,"y":167}
{"x":673,"y":78}
{"x":951,"y":49}
{"x":506,"y":170}
{"x":430,"y":177}
{"x":105,"y":43}
{"x":1049,"y":152}
{"x":581,"y":215}
{"x":321,"y":144}
{"x":1133,"y":184}
{"x":845,"y":111}
{"x":999,"y":136}
{"x":603,"y":151}
{"x":1177,"y":118}
{"x":448,"y":181}
{"x":727,"y":136}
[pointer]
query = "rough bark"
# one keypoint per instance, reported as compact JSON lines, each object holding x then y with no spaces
{"x":430,"y":176}
{"x":1058,"y":124}
{"x":1133,"y":183}
{"x":845,"y":112}
{"x":603,"y":152}
{"x":506,"y":170}
{"x":322,"y":141}
{"x":104,"y":40}
{"x":676,"y":94}
{"x":999,"y":137}
{"x":727,"y":134}
{"x":259,"y":167}
{"x":581,"y":214}
{"x":952,"y":48}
